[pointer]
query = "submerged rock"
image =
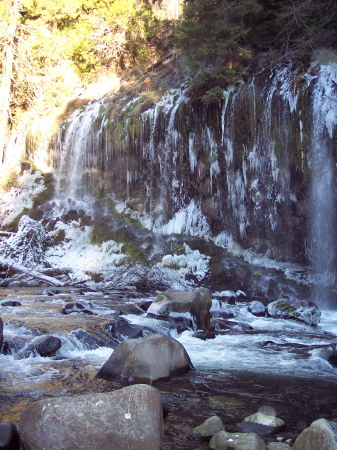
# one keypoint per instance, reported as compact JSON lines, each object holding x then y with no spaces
{"x":126,"y":419}
{"x":322,"y":434}
{"x":198,"y":303}
{"x":146,"y":360}
{"x":300,"y":310}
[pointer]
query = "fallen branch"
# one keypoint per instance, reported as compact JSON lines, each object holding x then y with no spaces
{"x":33,"y":273}
{"x":160,"y":61}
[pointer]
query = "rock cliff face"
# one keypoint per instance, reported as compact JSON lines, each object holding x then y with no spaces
{"x":254,"y":170}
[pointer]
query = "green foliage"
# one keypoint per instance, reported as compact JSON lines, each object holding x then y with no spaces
{"x":212,"y":36}
{"x":222,"y":40}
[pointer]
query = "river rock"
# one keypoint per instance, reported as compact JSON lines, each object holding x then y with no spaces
{"x":42,"y":345}
{"x":204,"y":335}
{"x":11,"y":303}
{"x":1,"y":333}
{"x":278,"y":446}
{"x":262,"y":424}
{"x":121,"y":330}
{"x":78,"y":307}
{"x":209,"y":428}
{"x":301,"y":310}
{"x":240,"y":441}
{"x":257,"y":308}
{"x":14,"y":284}
{"x":126,"y":419}
{"x":147,"y":360}
{"x":198,"y":303}
{"x":322,"y":434}
{"x":9,"y":437}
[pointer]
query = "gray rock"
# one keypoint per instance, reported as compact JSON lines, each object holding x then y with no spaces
{"x":300,"y":310}
{"x":322,"y":435}
{"x":126,"y":419}
{"x":238,"y":441}
{"x":42,"y":345}
{"x":146,"y":360}
{"x":9,"y":436}
{"x":209,"y":428}
{"x":198,"y":303}
{"x":48,"y":346}
{"x":262,"y":424}
{"x":78,"y":307}
{"x":120,"y":329}
{"x":257,"y":308}
{"x":264,"y":419}
{"x":278,"y":446}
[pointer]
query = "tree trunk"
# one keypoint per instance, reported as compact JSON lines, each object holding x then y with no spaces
{"x":33,"y":273}
{"x":8,"y":52}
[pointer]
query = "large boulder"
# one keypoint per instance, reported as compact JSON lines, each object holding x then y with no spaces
{"x":126,"y":419}
{"x":198,"y":303}
{"x":146,"y":360}
{"x":301,"y":310}
{"x":322,"y":434}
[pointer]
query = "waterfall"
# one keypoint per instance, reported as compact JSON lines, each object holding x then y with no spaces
{"x":240,"y":169}
{"x":323,"y":187}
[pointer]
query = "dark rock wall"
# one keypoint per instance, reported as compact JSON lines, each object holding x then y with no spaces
{"x":244,"y":163}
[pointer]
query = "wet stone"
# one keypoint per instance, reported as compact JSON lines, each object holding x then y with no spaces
{"x":204,"y":335}
{"x":9,"y":437}
{"x":11,"y":303}
{"x":209,"y":428}
{"x":77,"y":307}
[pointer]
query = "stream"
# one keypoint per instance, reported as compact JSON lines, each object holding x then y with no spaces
{"x":278,"y":363}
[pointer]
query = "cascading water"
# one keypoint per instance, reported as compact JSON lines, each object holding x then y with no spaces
{"x":234,"y":166}
{"x":323,"y":187}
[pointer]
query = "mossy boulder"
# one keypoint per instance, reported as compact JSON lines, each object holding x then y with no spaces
{"x":295,"y":309}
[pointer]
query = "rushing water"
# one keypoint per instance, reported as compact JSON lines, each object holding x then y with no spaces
{"x":273,"y":346}
{"x":278,"y":363}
